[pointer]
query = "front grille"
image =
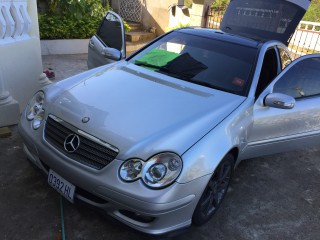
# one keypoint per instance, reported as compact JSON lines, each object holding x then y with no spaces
{"x":89,"y":152}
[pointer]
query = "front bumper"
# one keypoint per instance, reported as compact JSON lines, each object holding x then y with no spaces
{"x":149,"y":211}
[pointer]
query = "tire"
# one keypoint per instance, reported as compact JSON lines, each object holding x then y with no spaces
{"x":214,"y":192}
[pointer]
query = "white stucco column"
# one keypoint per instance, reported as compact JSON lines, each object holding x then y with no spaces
{"x":9,"y":108}
{"x":20,"y":57}
{"x":198,"y":11}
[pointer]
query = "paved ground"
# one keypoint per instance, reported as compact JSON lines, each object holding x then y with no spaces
{"x":276,"y":197}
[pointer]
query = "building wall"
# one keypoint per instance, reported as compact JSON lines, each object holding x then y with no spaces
{"x":154,"y":13}
{"x":157,"y":14}
{"x":167,"y":14}
{"x":20,"y":57}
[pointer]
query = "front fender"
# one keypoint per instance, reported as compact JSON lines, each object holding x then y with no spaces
{"x":205,"y":155}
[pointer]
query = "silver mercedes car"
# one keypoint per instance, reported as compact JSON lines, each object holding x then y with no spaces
{"x":153,"y":139}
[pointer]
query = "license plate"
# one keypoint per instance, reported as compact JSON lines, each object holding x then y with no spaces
{"x":64,"y":187}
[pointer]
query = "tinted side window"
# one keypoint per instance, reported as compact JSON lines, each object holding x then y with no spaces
{"x":110,"y":32}
{"x":302,"y":80}
{"x":285,"y":58}
{"x":269,"y":70}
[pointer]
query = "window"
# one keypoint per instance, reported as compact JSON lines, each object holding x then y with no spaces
{"x":301,"y":80}
{"x":110,"y":32}
{"x":269,"y":70}
{"x":285,"y":58}
{"x":201,"y":60}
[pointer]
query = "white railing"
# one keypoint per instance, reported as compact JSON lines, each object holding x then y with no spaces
{"x":306,"y":39}
{"x":15,"y":22}
{"x":311,"y":26}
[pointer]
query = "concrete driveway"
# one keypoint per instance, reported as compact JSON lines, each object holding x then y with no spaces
{"x":274,"y":197}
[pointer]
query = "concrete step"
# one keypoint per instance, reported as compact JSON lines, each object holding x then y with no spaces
{"x":139,"y":36}
{"x":135,"y":26}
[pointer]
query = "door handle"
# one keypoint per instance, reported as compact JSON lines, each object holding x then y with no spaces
{"x":91,"y":44}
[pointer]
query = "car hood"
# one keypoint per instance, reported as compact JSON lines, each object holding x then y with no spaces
{"x":143,"y":112}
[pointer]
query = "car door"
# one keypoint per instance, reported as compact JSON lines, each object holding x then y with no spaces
{"x":264,"y":19}
{"x":286,"y":115}
{"x":108,"y":44}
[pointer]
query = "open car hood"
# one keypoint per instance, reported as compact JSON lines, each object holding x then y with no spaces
{"x":264,"y":19}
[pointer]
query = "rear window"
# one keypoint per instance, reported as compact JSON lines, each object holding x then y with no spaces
{"x":213,"y":63}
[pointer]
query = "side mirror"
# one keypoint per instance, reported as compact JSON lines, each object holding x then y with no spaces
{"x":279,"y":100}
{"x":111,"y":53}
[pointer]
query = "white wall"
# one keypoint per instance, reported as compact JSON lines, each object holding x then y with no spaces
{"x":20,"y":57}
{"x":194,"y":16}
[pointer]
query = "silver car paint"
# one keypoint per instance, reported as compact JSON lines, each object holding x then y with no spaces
{"x":217,"y":124}
{"x":230,"y":131}
{"x":178,"y":115}
{"x":166,"y":204}
{"x":255,"y":130}
{"x":276,"y":130}
{"x":96,"y":49}
{"x":231,"y":134}
{"x":95,"y":57}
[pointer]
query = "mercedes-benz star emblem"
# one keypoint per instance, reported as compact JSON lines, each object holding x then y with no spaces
{"x":71,"y":143}
{"x":85,"y":119}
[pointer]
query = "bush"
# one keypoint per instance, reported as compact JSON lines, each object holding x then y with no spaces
{"x":72,"y":19}
{"x":220,"y":5}
{"x":66,"y":27}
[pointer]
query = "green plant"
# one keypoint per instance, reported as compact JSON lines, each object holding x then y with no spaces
{"x":72,"y":19}
{"x":188,"y":3}
{"x":179,"y":25}
{"x":65,"y":27}
{"x":77,"y":8}
{"x":313,"y":13}
{"x":220,"y":5}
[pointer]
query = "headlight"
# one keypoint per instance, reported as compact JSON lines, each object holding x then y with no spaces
{"x":130,"y":170}
{"x":158,"y":172}
{"x":35,"y":111}
{"x":38,"y":119}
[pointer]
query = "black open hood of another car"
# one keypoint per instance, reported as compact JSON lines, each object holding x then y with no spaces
{"x":264,"y":19}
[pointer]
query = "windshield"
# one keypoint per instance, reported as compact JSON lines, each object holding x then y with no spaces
{"x":201,"y":60}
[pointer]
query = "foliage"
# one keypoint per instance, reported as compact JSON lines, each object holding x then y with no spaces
{"x":313,"y":13}
{"x":179,"y":25}
{"x":71,"y":19}
{"x":65,"y":27}
{"x":188,"y":3}
{"x":220,"y":5}
{"x":77,"y":8}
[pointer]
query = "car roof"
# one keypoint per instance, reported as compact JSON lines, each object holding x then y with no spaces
{"x":220,"y":35}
